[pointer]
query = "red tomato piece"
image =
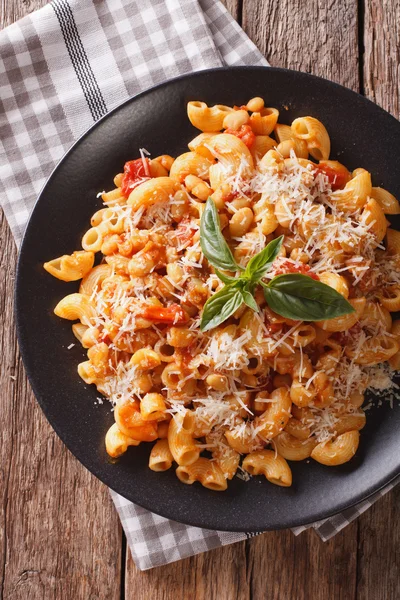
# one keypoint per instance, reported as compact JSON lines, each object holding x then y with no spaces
{"x":244,"y":133}
{"x":135,"y":172}
{"x":172,"y":314}
{"x":338,"y":176}
{"x":106,"y":338}
{"x":289,"y":267}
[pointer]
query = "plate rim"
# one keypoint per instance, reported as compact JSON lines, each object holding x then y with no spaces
{"x":290,"y":521}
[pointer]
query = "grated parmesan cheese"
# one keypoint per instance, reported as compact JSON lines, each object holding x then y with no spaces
{"x":332,"y":241}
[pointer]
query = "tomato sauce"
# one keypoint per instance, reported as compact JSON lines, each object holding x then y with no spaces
{"x":338,"y":177}
{"x":289,"y":267}
{"x":135,"y":173}
{"x":231,"y":196}
{"x":273,"y":327}
{"x":344,"y":337}
{"x":172,"y":315}
{"x":185,"y":355}
{"x":184,"y":231}
{"x":244,"y":133}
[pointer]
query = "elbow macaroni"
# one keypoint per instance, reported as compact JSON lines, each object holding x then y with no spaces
{"x":259,"y":390}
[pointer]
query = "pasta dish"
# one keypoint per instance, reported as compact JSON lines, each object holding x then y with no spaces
{"x":235,"y":302}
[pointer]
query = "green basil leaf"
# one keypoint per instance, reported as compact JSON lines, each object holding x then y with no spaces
{"x":225,"y":278}
{"x":220,"y":306}
{"x":301,"y":298}
{"x":262,"y":262}
{"x":249,"y":300}
{"x":213,"y":243}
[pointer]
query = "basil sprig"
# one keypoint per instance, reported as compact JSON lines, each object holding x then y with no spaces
{"x":299,"y":297}
{"x":213,"y":243}
{"x":261,"y":263}
{"x":293,"y":295}
{"x":221,"y":305}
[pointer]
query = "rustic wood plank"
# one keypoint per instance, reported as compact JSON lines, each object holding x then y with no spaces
{"x":218,"y":574}
{"x":378,"y":573}
{"x":379,"y":528}
{"x":303,"y":567}
{"x":318,"y":37}
{"x":234,"y":7}
{"x":12,"y":10}
{"x":381,"y":55}
{"x":59,"y":534}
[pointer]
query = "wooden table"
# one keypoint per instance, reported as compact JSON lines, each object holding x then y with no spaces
{"x":60,"y":537}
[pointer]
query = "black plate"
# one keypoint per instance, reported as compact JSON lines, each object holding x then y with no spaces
{"x":362,"y":135}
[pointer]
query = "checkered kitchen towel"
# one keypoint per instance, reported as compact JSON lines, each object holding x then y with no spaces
{"x":63,"y":68}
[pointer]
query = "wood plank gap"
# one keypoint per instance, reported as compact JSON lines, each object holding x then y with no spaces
{"x":240,"y":12}
{"x":361,"y":44}
{"x":5,"y":543}
{"x":249,"y":569}
{"x":124,"y":550}
{"x":358,"y":573}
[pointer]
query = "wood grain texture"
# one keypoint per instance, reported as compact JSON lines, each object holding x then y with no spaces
{"x":59,"y":534}
{"x":378,"y":557}
{"x":317,"y":36}
{"x":220,"y":574}
{"x":12,"y":10}
{"x":382,"y":53}
{"x":234,"y":7}
{"x":303,"y":567}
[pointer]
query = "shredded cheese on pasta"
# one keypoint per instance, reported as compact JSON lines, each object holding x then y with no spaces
{"x":227,"y":378}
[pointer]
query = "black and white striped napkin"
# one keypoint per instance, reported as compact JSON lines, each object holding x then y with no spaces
{"x":61,"y":69}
